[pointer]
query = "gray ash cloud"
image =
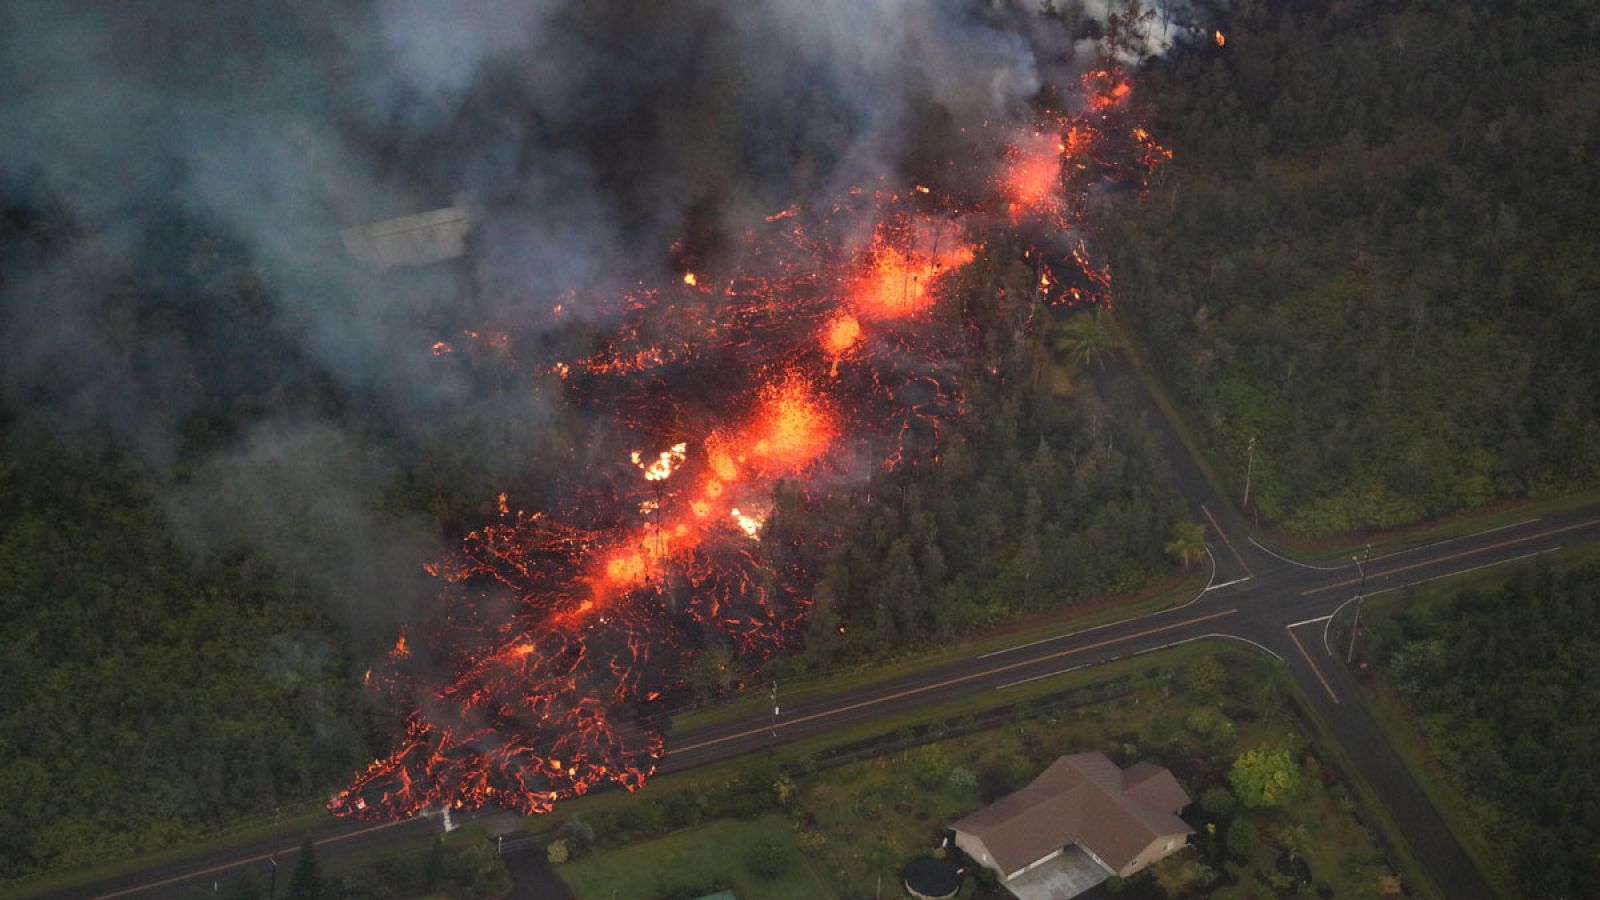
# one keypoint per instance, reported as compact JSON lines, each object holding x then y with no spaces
{"x":196,"y":309}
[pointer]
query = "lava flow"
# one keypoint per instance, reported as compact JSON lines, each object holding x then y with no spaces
{"x":559,"y":635}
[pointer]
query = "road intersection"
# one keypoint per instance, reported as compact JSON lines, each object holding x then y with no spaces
{"x":1255,"y":596}
{"x":1279,"y":606}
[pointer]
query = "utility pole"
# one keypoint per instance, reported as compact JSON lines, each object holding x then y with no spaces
{"x":1249,"y":467}
{"x":774,"y":709}
{"x":272,"y":886}
{"x":1361,"y":593}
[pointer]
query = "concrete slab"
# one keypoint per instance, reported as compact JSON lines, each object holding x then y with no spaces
{"x":1068,"y":875}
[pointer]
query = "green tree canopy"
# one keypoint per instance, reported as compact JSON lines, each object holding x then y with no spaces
{"x":1188,"y":543}
{"x":1264,"y":777}
{"x":306,"y":882}
{"x":1088,"y":339}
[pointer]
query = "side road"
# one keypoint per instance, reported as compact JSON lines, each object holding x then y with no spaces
{"x":1273,"y":603}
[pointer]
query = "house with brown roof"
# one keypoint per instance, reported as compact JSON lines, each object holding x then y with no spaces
{"x":1122,"y":819}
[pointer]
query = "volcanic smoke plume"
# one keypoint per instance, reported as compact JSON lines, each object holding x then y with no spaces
{"x":816,"y":358}
{"x":720,"y":256}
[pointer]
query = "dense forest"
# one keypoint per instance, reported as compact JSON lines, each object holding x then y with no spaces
{"x":159,"y":688}
{"x":1043,"y":493}
{"x":149,"y":697}
{"x":1373,"y":254}
{"x":1517,"y":743}
{"x":159,"y":683}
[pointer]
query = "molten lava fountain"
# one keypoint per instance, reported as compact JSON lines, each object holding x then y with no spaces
{"x":558,"y":632}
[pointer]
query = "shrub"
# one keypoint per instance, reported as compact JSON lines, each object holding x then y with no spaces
{"x":768,"y":859}
{"x":1014,"y":771}
{"x":576,"y":832}
{"x":558,"y":852}
{"x":871,"y":806}
{"x":1263,"y":777}
{"x":1241,"y":839}
{"x":962,"y":778}
{"x":643,"y":819}
{"x":1219,"y":801}
{"x":1203,"y":677}
{"x":930,"y":766}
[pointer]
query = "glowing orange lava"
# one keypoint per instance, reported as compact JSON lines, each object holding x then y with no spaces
{"x":539,"y":673}
{"x":841,"y":334}
{"x":897,"y":271}
{"x":793,"y":427}
{"x":1033,"y":178}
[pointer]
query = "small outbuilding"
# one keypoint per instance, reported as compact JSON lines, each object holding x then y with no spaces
{"x":931,"y":879}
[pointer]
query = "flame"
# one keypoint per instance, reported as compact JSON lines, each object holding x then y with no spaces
{"x":1033,"y":179}
{"x":749,"y":524}
{"x":665,"y":463}
{"x":896,"y":273}
{"x":792,"y":427}
{"x":1106,"y":88}
{"x":555,"y":630}
{"x":440,"y":348}
{"x":841,"y":334}
{"x":1220,"y":38}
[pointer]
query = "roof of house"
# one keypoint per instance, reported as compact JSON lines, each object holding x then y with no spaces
{"x":415,"y":240}
{"x":1082,"y":799}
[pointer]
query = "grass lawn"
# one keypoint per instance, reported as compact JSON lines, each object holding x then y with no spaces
{"x":863,"y":821}
{"x":664,"y":788}
{"x":893,"y":808}
{"x":716,"y":853}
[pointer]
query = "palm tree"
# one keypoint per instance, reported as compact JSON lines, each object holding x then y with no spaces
{"x":1295,"y":841}
{"x":1188,"y":543}
{"x":1089,"y":338}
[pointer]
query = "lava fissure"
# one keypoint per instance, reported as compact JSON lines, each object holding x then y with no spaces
{"x":560,"y":635}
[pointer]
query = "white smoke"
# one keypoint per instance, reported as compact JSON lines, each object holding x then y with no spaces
{"x":596,"y":133}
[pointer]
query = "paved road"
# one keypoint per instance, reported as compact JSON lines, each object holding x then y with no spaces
{"x":1278,"y":605}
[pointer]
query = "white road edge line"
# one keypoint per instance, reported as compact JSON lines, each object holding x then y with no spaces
{"x":1295,"y":562}
{"x":1218,"y":587}
{"x":1455,"y":539}
{"x":1160,"y":612}
{"x":1169,"y":646}
{"x":1213,"y":634}
{"x":1308,"y":621}
{"x":1489,"y":565}
{"x":1045,"y":675}
{"x":1327,"y":647}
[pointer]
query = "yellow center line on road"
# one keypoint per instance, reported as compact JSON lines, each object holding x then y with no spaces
{"x":1312,"y":663}
{"x":1224,"y":535}
{"x":924,"y":688}
{"x":254,"y":859}
{"x":1439,"y":559}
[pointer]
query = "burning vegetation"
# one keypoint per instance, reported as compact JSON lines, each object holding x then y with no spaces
{"x":560,"y":634}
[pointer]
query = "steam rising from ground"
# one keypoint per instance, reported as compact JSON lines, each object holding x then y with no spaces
{"x":595,"y":135}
